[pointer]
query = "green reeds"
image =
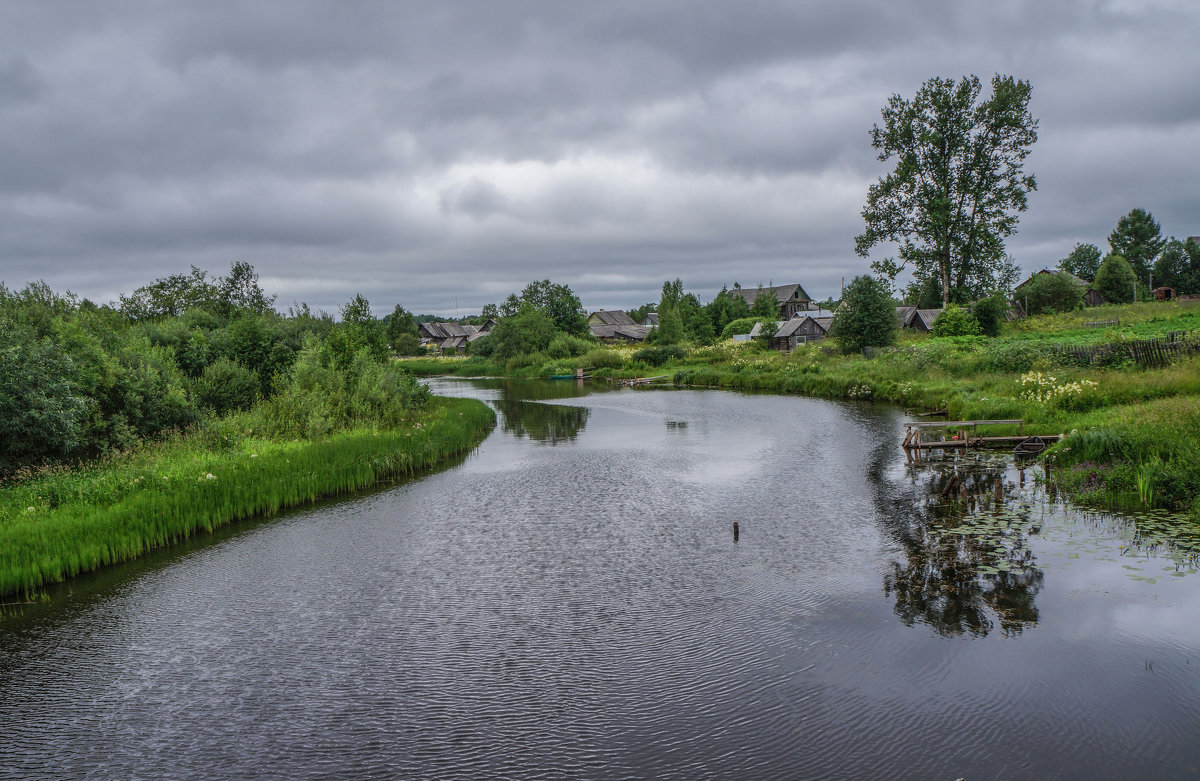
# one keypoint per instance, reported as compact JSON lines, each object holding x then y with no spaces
{"x":62,"y":523}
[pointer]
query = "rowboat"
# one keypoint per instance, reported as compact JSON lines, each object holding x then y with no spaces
{"x":1029,"y":447}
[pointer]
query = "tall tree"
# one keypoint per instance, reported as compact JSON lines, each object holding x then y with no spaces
{"x":959,"y":180}
{"x":866,"y":316}
{"x":1115,"y":280}
{"x":1178,"y":266}
{"x":240,"y":290}
{"x":1138,"y":239}
{"x":1083,"y":261}
{"x":559,"y":303}
{"x":765,"y":306}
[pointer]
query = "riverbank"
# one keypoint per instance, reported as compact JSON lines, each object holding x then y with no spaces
{"x":1133,"y":430}
{"x":64,"y":522}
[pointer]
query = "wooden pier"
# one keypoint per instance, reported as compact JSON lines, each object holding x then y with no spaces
{"x":965,"y":436}
{"x":633,"y":382}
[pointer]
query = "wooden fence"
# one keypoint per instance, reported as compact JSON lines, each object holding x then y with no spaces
{"x":1147,"y":353}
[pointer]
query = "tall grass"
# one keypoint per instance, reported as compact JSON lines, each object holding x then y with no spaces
{"x":64,"y":522}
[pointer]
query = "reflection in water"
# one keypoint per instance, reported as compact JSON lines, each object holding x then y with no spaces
{"x":548,"y":423}
{"x":966,"y":564}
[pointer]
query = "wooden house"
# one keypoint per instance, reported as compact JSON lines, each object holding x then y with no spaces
{"x":447,"y":336}
{"x":800,"y":330}
{"x":650,"y":320}
{"x":610,"y":317}
{"x":615,"y":326}
{"x":791,"y":298}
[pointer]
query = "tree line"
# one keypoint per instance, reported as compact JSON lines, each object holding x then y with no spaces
{"x":78,"y":380}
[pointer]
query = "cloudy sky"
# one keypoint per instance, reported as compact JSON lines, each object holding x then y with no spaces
{"x":444,"y":154}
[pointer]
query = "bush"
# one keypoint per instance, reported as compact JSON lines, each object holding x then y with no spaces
{"x":567,"y":346}
{"x":1047,"y":293}
{"x":657,"y":356}
{"x":42,"y":413}
{"x":743,"y":325}
{"x":1115,"y":280}
{"x":955,"y":321}
{"x":407,"y":344}
{"x":224,"y":386}
{"x":602,"y":359}
{"x":989,"y":312}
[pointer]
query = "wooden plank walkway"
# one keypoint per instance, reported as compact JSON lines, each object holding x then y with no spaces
{"x":966,"y":435}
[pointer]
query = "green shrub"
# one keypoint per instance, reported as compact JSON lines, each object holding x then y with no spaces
{"x":989,"y":312}
{"x":407,"y":344}
{"x":955,"y":321}
{"x":602,"y":359}
{"x":657,"y":356}
{"x":225,"y":386}
{"x":743,"y":325}
{"x":567,"y":346}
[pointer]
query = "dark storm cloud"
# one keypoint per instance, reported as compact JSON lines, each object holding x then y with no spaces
{"x":443,"y":155}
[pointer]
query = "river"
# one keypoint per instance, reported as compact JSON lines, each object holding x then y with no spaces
{"x":569,"y":601}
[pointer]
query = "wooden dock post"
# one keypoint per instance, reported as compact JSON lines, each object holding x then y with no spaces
{"x":735,"y":531}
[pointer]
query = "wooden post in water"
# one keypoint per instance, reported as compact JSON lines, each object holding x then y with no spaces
{"x":999,"y":491}
{"x":735,"y":531}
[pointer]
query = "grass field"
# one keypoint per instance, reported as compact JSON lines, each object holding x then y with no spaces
{"x":62,"y":522}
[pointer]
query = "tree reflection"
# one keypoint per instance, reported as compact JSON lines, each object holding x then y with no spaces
{"x":549,"y":423}
{"x":966,"y":566}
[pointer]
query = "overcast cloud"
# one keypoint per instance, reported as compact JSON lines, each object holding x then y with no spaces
{"x":444,"y":154}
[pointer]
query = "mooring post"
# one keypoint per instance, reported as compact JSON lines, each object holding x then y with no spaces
{"x":735,"y":531}
{"x":999,"y":491}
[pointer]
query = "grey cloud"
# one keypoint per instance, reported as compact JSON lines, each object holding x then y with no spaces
{"x":422,"y":153}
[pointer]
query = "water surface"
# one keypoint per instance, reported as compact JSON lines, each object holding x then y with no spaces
{"x":569,"y":602}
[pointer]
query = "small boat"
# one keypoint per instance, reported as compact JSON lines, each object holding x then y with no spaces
{"x":563,"y":376}
{"x":1029,"y":447}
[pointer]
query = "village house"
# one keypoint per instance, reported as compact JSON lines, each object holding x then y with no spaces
{"x":800,"y":330}
{"x":615,"y":326}
{"x":452,"y":336}
{"x":791,"y":298}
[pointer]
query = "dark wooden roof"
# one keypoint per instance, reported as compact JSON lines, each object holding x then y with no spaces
{"x":611,"y":317}
{"x":796,"y":323}
{"x":780,"y":292}
{"x":632,"y":331}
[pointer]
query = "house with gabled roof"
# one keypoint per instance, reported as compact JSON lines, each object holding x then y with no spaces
{"x":615,"y":326}
{"x":448,"y":336}
{"x":922,"y":319}
{"x":792,"y":299}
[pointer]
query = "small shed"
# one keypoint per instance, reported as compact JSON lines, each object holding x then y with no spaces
{"x":800,"y":330}
{"x":1163,"y":293}
{"x":1093,"y":297}
{"x":922,"y":319}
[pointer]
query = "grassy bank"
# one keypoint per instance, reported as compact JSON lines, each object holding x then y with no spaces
{"x":1133,"y":431}
{"x":64,"y":522}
